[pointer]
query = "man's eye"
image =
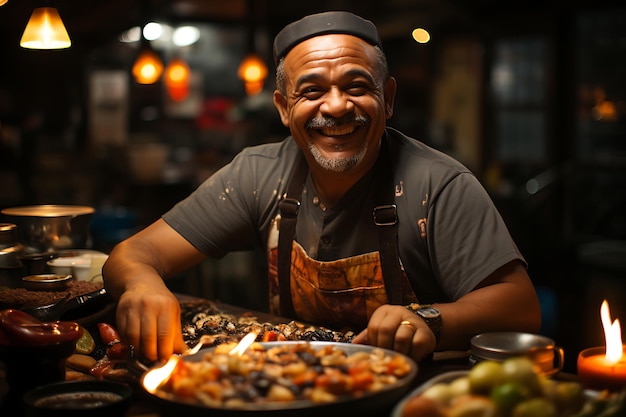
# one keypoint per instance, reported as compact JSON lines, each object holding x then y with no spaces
{"x":357,"y":89}
{"x":312,"y":92}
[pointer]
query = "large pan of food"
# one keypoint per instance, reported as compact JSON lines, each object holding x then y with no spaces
{"x":283,"y":378}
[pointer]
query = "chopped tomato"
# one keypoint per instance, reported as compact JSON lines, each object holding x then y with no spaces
{"x":270,"y":336}
{"x":305,"y":378}
{"x":362,"y":381}
{"x":333,"y":382}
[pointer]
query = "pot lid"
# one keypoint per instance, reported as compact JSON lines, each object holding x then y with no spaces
{"x":49,"y":210}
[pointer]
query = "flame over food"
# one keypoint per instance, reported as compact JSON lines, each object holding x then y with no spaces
{"x":157,"y":376}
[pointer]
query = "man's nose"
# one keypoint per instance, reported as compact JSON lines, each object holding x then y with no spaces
{"x":336,"y":103}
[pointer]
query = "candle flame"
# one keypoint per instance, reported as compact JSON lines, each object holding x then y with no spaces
{"x":154,"y":378}
{"x":612,"y":334}
{"x":204,"y":339}
{"x":244,"y":344}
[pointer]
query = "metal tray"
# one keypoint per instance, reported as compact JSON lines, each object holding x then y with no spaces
{"x":372,"y":404}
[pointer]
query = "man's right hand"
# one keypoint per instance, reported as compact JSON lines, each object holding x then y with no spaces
{"x":148,"y":314}
{"x":149,"y":320}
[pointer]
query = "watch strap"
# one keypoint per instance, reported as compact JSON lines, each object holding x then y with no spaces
{"x":433,"y":321}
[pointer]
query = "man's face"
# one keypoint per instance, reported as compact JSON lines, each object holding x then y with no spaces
{"x":336,"y":103}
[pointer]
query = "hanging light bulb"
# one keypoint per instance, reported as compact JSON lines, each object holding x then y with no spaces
{"x":3,"y":2}
{"x":148,"y":67}
{"x":252,"y":71}
{"x":45,"y":30}
{"x":176,"y":78}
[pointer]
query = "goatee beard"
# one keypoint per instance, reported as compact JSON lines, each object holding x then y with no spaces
{"x":338,"y":164}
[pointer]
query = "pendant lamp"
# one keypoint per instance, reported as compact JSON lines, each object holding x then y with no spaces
{"x":253,"y":72}
{"x":176,"y":78}
{"x":148,"y":67}
{"x":45,"y":29}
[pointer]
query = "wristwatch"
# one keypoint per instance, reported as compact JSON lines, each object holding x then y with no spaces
{"x":431,"y":316}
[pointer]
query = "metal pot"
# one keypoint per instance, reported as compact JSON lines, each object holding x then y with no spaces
{"x":10,"y":248}
{"x":11,"y":268}
{"x":48,"y":228}
{"x":499,"y":346}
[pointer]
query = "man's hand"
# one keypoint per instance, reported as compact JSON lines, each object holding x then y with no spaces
{"x":148,"y":314}
{"x":395,"y":327}
{"x":149,"y":319}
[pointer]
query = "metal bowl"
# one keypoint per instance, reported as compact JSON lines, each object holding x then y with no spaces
{"x":47,"y":228}
{"x":46,"y":282}
{"x":498,"y":346}
{"x":78,"y":398}
{"x":370,"y":404}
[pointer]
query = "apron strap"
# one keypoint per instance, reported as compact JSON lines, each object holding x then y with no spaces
{"x":289,"y":207}
{"x":386,"y":220}
{"x":423,"y":283}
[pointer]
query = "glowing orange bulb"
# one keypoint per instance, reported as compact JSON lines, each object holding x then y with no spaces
{"x":177,"y":72}
{"x":148,"y":67}
{"x":252,"y":71}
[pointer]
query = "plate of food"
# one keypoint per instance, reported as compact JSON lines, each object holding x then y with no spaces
{"x":84,"y":313}
{"x":281,"y":378}
{"x":479,"y":391}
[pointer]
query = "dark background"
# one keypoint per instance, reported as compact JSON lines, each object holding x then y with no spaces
{"x":530,"y":95}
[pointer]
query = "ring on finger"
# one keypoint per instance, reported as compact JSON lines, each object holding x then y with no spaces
{"x":407,"y":323}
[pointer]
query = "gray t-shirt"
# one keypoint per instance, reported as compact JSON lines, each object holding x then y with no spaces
{"x":449,"y":231}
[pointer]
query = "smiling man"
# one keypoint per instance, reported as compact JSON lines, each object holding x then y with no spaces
{"x":364,"y":228}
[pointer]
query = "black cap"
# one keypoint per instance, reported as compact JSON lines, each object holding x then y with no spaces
{"x":324,"y":24}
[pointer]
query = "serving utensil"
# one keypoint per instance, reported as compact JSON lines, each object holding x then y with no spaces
{"x":54,"y":311}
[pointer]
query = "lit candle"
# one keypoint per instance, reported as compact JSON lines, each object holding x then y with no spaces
{"x":604,"y":367}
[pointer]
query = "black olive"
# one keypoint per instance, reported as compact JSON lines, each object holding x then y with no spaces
{"x":309,"y":358}
{"x":261,"y":381}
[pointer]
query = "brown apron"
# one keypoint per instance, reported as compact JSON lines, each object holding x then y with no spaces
{"x":344,"y":292}
{"x":339,"y":294}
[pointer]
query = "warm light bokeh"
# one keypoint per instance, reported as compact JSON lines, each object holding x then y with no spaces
{"x":148,"y":67}
{"x":253,"y":72}
{"x":177,"y":76}
{"x":421,"y":35}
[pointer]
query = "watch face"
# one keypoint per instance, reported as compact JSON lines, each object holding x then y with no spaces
{"x":428,"y":312}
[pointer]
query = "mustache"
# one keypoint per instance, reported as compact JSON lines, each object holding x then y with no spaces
{"x":329,"y":121}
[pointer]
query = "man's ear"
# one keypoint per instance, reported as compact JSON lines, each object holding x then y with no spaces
{"x":389,"y":93}
{"x":280,"y":102}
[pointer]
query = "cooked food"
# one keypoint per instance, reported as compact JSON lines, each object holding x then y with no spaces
{"x":20,"y":297}
{"x":201,"y":320}
{"x":204,"y":320}
{"x":283,"y":372}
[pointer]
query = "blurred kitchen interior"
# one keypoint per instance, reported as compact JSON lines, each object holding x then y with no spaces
{"x":530,"y":95}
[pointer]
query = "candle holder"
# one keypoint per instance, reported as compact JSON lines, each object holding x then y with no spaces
{"x":594,"y":372}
